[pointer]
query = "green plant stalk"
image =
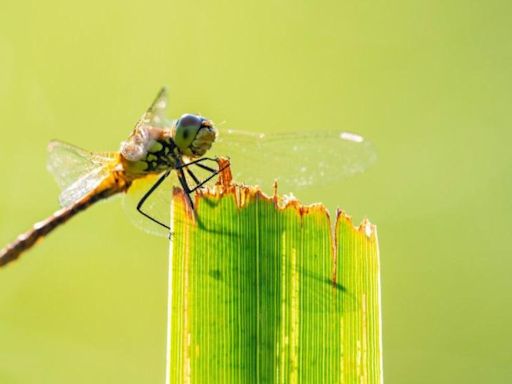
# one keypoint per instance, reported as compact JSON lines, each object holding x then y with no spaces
{"x":263,"y":291}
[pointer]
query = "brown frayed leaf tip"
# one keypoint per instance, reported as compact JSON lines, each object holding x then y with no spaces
{"x":225,"y":176}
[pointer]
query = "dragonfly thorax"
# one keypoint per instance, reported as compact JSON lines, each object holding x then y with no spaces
{"x":160,"y":155}
{"x":152,"y":149}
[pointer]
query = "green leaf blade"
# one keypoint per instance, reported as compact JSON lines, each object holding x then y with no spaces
{"x":261,"y":294}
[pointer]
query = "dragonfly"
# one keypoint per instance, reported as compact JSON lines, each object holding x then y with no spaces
{"x":154,"y":147}
{"x":159,"y":147}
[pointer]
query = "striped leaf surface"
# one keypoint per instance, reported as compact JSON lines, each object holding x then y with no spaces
{"x":263,"y":291}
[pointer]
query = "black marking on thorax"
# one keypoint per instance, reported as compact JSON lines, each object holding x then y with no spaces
{"x":164,"y":157}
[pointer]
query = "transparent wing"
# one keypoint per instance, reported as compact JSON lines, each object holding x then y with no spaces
{"x":155,"y":114}
{"x":296,"y":159}
{"x":323,"y":294}
{"x":76,"y":170}
{"x":158,"y":204}
{"x":318,"y":294}
{"x":318,"y":291}
{"x":147,"y":127}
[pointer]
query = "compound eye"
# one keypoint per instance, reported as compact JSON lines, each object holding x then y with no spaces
{"x":189,"y":120}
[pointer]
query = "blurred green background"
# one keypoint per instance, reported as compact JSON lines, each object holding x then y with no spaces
{"x":428,"y":82}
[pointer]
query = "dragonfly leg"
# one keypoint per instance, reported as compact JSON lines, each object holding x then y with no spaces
{"x":193,"y":176}
{"x":212,"y":170}
{"x":145,"y":197}
{"x":197,"y":162}
{"x":183,"y":179}
{"x":186,"y":188}
{"x":199,"y":184}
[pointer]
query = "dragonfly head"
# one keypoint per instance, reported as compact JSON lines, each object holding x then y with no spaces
{"x":194,"y":135}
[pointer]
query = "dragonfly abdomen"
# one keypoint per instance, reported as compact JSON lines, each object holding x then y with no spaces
{"x":111,"y":186}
